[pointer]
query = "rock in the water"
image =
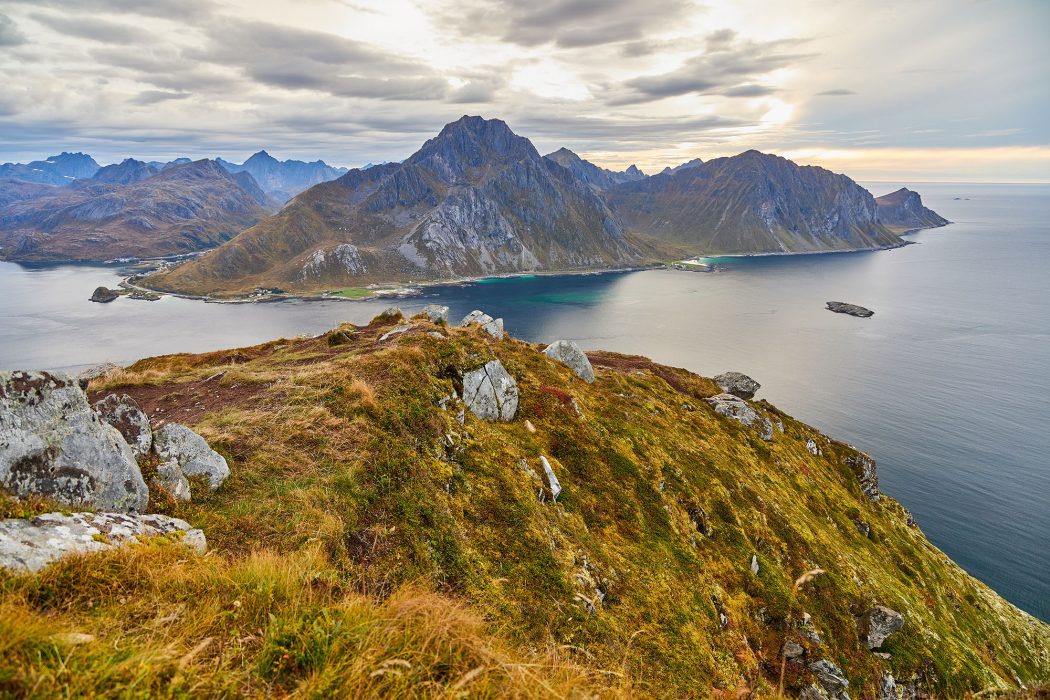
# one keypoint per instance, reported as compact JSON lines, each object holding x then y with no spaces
{"x":31,"y":544}
{"x":739,"y":410}
{"x":880,"y":623}
{"x":830,"y":678}
{"x":53,"y":444}
{"x":171,"y":479}
{"x":863,"y":466}
{"x":569,"y":354}
{"x":85,"y":377}
{"x":124,"y":414}
{"x":436,"y":313}
{"x":841,"y":307}
{"x":737,"y":384}
{"x":490,"y":392}
{"x":104,"y":295}
{"x":174,"y":442}
{"x":552,"y":481}
{"x":492,"y":326}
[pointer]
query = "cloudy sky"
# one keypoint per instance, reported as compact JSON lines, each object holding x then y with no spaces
{"x":896,"y":90}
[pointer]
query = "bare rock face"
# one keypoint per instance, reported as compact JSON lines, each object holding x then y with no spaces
{"x":177,"y":443}
{"x":31,"y":544}
{"x":124,"y":414}
{"x":569,"y":354}
{"x":53,"y":444}
{"x":737,"y":384}
{"x":492,"y":326}
{"x":490,"y":392}
{"x":735,"y":408}
{"x":437,"y":313}
{"x":880,"y":624}
{"x":830,"y":678}
{"x":863,"y":466}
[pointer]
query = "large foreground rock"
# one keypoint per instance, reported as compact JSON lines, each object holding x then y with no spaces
{"x":737,"y":384}
{"x":30,"y":545}
{"x":569,"y":354}
{"x":492,"y":326}
{"x":177,"y":443}
{"x":121,"y":411}
{"x":737,"y":409}
{"x":53,"y":444}
{"x":490,"y":392}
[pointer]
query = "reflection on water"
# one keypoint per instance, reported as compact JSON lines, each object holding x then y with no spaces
{"x":947,"y":385}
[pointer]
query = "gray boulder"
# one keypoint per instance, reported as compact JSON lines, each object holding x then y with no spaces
{"x":391,"y":312}
{"x":569,"y":354}
{"x":830,"y":678}
{"x":29,"y":545}
{"x":436,"y":313}
{"x":492,"y":326}
{"x":737,"y":384}
{"x":53,"y":444}
{"x":124,"y":414}
{"x":490,"y":392}
{"x":735,"y":408}
{"x":880,"y":623}
{"x":171,"y":479}
{"x":85,"y":377}
{"x":793,"y":649}
{"x":177,"y":443}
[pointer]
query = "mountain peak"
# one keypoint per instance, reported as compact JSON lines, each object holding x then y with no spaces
{"x":471,"y":141}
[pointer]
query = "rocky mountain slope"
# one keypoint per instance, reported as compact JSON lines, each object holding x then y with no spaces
{"x":903,"y":211}
{"x":413,"y":509}
{"x":62,"y":169}
{"x":590,"y":173}
{"x":476,"y":199}
{"x":283,"y":179}
{"x":132,"y":211}
{"x":752,"y":203}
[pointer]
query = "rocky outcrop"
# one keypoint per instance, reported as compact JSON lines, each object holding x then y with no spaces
{"x":903,"y":209}
{"x":490,"y":392}
{"x":124,"y":414}
{"x":735,"y":408}
{"x":29,"y":545}
{"x":53,"y":444}
{"x":737,"y":384}
{"x":436,"y":313}
{"x":569,"y":354}
{"x":596,"y":177}
{"x":104,"y":295}
{"x":879,"y":624}
{"x":841,"y":307}
{"x":863,"y":467}
{"x":492,"y":326}
{"x":831,"y":678}
{"x":190,"y":452}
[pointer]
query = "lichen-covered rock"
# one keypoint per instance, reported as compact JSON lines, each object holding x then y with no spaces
{"x":741,"y":411}
{"x":490,"y":392}
{"x":31,"y":544}
{"x":124,"y":414}
{"x":85,"y":377}
{"x":437,"y":313}
{"x":830,"y":678}
{"x":737,"y":384}
{"x":171,"y":479}
{"x":880,"y":623}
{"x":53,"y":444}
{"x":492,"y":326}
{"x":552,"y":481}
{"x":569,"y":354}
{"x":863,"y":466}
{"x":174,"y":442}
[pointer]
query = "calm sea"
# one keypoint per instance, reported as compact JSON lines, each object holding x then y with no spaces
{"x":948,"y":385}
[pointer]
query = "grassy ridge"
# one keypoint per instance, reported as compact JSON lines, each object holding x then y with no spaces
{"x":368,"y":543}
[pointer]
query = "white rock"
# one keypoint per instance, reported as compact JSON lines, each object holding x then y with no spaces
{"x":396,"y":330}
{"x":492,"y":326}
{"x":754,"y":564}
{"x":552,"y":480}
{"x":490,"y":392}
{"x":813,"y":447}
{"x":31,"y":544}
{"x":741,"y":411}
{"x":436,"y":313}
{"x":569,"y":354}
{"x":174,"y":442}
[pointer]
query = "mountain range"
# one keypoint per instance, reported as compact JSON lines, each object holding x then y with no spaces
{"x":478,"y":199}
{"x":130,"y":210}
{"x":62,"y":169}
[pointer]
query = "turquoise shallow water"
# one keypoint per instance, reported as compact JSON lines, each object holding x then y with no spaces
{"x":948,"y":385}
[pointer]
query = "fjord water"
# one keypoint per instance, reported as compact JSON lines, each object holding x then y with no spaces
{"x":947,"y":385}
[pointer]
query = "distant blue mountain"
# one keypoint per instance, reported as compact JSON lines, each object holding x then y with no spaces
{"x":62,"y":169}
{"x":283,"y":179}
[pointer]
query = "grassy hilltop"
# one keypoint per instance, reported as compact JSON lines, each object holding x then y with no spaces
{"x":368,"y":544}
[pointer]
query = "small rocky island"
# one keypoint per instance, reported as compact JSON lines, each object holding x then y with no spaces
{"x":841,"y":307}
{"x":104,"y":295}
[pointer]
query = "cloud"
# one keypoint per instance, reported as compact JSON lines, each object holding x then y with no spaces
{"x":836,"y":92}
{"x":10,"y":34}
{"x":151,"y":97}
{"x":91,"y":28}
{"x":175,"y":10}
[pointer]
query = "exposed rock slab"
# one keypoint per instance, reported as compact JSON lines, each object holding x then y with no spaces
{"x":492,"y":326}
{"x":31,"y":544}
{"x":737,"y":384}
{"x":53,"y":444}
{"x":831,"y":678}
{"x":880,"y":624}
{"x":437,"y":313}
{"x":735,"y":408}
{"x":121,"y":411}
{"x":490,"y":392}
{"x":569,"y":354}
{"x":552,"y":480}
{"x":174,"y":442}
{"x":841,"y":307}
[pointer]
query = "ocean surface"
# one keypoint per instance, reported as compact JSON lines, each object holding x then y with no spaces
{"x":948,"y":385}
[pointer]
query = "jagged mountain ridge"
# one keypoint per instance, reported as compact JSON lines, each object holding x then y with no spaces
{"x":62,"y":169}
{"x":282,"y":180}
{"x":182,"y":209}
{"x":752,"y":203}
{"x":592,"y":174}
{"x":476,"y":199}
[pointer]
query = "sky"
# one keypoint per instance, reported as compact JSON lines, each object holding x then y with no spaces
{"x":917,"y":90}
